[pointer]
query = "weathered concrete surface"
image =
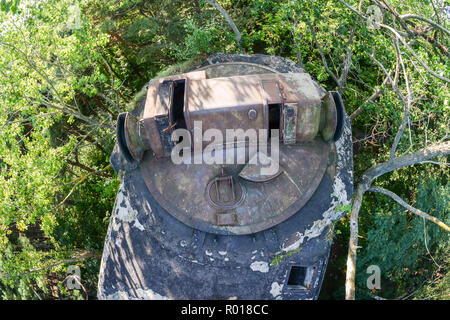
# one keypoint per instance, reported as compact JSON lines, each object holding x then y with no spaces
{"x":148,"y":254}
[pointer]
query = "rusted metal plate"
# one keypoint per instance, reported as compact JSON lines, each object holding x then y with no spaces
{"x":252,"y":170}
{"x":163,"y":101}
{"x":226,"y":219}
{"x":181,"y":189}
{"x":272,"y":92}
{"x":225,"y":103}
{"x":186,"y":191}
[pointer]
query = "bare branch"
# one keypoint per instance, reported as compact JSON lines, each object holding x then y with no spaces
{"x":80,"y":180}
{"x":407,"y":105}
{"x":353,"y":9}
{"x":86,"y":168}
{"x":83,"y":256}
{"x":434,"y":24}
{"x":322,"y":55}
{"x":299,"y":54}
{"x":435,"y":150}
{"x":116,"y":36}
{"x":379,"y":90}
{"x":347,"y":62}
{"x":413,"y":53}
{"x":112,"y":83}
{"x":399,"y":35}
{"x":437,"y":163}
{"x":418,"y":212}
{"x":405,"y":102}
{"x":227,"y":18}
{"x":66,"y":110}
{"x":353,"y":244}
{"x":388,"y":76}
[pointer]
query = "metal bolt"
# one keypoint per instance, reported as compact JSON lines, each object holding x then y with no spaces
{"x":252,"y":114}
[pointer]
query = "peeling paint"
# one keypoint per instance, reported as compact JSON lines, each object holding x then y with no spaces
{"x":124,"y":211}
{"x":275,"y":289}
{"x":340,"y":198}
{"x":138,"y":225}
{"x":260,"y":266}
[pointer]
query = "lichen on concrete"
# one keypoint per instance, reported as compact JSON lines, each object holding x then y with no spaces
{"x":260,"y":266}
{"x":124,"y":211}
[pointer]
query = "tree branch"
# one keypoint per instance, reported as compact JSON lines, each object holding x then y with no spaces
{"x":400,"y":37}
{"x":322,"y":55}
{"x":227,"y":18}
{"x":83,"y":256}
{"x":407,"y":104}
{"x":418,"y":212}
{"x":82,"y":166}
{"x":434,"y":24}
{"x":116,"y":36}
{"x":435,"y":150}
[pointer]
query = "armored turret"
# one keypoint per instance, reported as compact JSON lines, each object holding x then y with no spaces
{"x":232,"y":174}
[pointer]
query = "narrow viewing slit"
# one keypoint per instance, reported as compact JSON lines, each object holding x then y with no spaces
{"x":177,"y":108}
{"x":274,"y":117}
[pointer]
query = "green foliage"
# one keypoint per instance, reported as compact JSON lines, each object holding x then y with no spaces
{"x":201,"y":40}
{"x":9,"y":5}
{"x":437,"y":288}
{"x":407,"y":248}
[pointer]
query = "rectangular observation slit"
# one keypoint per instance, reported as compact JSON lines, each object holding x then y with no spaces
{"x":274,"y":101}
{"x":274,"y":117}
{"x":177,"y":106}
{"x":300,"y":277}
